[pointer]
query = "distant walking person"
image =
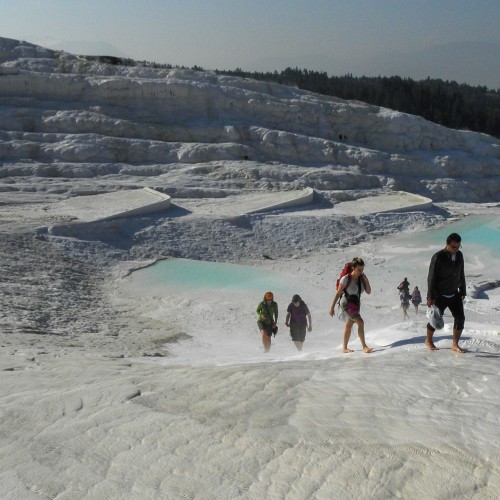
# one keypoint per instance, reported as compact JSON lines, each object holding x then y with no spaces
{"x":416,"y":298}
{"x":405,"y":304}
{"x":267,"y":312}
{"x":404,"y":286}
{"x":298,"y":319}
{"x":351,"y":286}
{"x":446,"y":288}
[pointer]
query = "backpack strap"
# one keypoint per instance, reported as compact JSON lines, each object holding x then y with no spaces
{"x":270,"y":315}
{"x":349,"y":279}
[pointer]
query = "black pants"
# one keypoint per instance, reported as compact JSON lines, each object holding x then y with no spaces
{"x":456,"y":306}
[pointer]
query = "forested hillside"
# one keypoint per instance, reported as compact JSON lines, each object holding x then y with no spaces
{"x":459,"y":106}
{"x":455,"y":105}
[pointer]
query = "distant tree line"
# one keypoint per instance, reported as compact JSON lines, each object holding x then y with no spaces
{"x":115,"y":61}
{"x":454,"y":105}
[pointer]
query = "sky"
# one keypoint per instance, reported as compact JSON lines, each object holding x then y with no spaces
{"x":359,"y":36}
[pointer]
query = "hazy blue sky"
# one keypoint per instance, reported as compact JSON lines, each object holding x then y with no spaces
{"x":255,"y":34}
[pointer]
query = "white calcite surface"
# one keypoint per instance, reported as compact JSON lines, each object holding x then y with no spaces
{"x":107,"y":206}
{"x":115,"y":387}
{"x":66,"y":117}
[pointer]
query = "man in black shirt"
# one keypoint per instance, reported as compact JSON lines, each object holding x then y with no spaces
{"x":446,"y":288}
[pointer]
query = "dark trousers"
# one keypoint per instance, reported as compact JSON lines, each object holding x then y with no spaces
{"x":456,"y":306}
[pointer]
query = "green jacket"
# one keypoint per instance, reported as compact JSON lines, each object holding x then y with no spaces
{"x":262,"y":310}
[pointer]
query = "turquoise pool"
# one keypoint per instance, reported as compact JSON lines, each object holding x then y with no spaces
{"x":185,"y":275}
{"x":480,"y":236}
{"x":482,"y":231}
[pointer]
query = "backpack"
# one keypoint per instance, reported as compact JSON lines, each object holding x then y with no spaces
{"x":353,"y":301}
{"x":353,"y":304}
{"x":347,"y":270}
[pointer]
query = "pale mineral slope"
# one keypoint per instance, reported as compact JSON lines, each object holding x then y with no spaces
{"x":83,"y":415}
{"x":64,"y":117}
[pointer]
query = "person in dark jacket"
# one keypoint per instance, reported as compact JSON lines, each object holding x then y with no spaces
{"x":404,"y":286}
{"x":298,"y":319}
{"x":446,"y":288}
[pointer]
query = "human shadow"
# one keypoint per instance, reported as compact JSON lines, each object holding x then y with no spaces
{"x":421,"y":340}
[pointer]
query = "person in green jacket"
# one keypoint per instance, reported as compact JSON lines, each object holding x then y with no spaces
{"x":267,"y":313}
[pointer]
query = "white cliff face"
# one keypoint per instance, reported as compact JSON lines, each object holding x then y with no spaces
{"x":62,"y":116}
{"x":178,"y":374}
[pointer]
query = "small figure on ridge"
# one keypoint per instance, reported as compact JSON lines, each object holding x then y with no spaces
{"x":416,"y":298}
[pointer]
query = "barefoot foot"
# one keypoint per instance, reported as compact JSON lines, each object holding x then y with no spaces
{"x":457,"y":348}
{"x":431,"y":346}
{"x":346,"y":350}
{"x":367,"y":349}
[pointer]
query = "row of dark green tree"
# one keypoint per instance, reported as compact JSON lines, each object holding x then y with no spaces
{"x":451,"y":104}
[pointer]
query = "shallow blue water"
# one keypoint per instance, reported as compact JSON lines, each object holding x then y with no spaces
{"x":185,"y":275}
{"x":475,"y":230}
{"x":181,"y":274}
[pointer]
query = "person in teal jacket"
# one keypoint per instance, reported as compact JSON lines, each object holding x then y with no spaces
{"x":267,"y":313}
